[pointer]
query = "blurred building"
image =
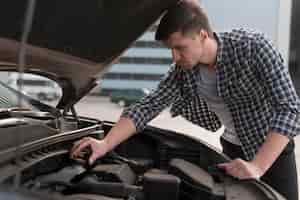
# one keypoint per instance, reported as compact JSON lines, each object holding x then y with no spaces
{"x":143,"y":65}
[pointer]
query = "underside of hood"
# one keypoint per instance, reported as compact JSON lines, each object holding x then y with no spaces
{"x":75,"y":42}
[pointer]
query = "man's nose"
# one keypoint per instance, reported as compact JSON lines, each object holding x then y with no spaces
{"x":175,"y":56}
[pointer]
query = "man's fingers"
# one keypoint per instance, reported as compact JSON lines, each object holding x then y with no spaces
{"x":237,"y":168}
{"x":226,"y":166}
{"x":80,"y":147}
{"x":230,"y":168}
{"x":96,"y":149}
{"x":222,"y":165}
{"x":78,"y":143}
{"x":75,"y":145}
{"x":92,"y":158}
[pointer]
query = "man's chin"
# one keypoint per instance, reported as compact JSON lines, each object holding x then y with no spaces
{"x":187,"y":66}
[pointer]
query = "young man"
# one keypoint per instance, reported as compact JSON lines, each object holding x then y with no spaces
{"x":234,"y":78}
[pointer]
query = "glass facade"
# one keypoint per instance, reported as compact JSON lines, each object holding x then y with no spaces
{"x":141,"y":66}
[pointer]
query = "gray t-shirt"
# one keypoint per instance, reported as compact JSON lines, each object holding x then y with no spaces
{"x":207,"y":85}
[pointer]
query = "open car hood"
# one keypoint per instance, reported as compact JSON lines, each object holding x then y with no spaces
{"x":74,"y":43}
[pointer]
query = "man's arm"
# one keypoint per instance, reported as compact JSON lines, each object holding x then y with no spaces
{"x":132,"y":120}
{"x":269,"y":151}
{"x":265,"y":157}
{"x":114,"y":138}
{"x":284,"y":125}
{"x":122,"y":130}
{"x":149,"y":107}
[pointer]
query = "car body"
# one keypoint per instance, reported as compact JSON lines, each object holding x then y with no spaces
{"x":73,"y":47}
{"x":35,"y":86}
{"x":126,"y":97}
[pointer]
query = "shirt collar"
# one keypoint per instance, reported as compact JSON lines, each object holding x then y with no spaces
{"x":220,"y":50}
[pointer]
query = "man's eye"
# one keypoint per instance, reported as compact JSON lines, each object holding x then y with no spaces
{"x":180,"y":48}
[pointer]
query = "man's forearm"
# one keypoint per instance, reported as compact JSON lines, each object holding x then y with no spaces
{"x":269,"y":151}
{"x":122,"y":130}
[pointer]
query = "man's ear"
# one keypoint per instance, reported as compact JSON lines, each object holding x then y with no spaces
{"x":203,"y":34}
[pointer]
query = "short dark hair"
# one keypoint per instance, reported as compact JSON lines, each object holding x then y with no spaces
{"x":185,"y":17}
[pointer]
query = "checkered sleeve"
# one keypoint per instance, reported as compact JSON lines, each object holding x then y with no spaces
{"x":277,"y":81}
{"x":151,"y":105}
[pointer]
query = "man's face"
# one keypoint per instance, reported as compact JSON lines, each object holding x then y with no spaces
{"x":187,"y":50}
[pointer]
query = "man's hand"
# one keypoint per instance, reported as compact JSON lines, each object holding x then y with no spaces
{"x":122,"y":130}
{"x":265,"y":157}
{"x":98,"y":148}
{"x":242,"y":169}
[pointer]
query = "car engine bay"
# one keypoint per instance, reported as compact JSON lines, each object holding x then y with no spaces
{"x":154,"y":164}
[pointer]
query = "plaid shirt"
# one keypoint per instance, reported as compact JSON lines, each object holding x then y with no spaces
{"x":251,"y":79}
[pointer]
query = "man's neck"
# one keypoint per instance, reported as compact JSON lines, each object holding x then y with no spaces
{"x":212,"y":48}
